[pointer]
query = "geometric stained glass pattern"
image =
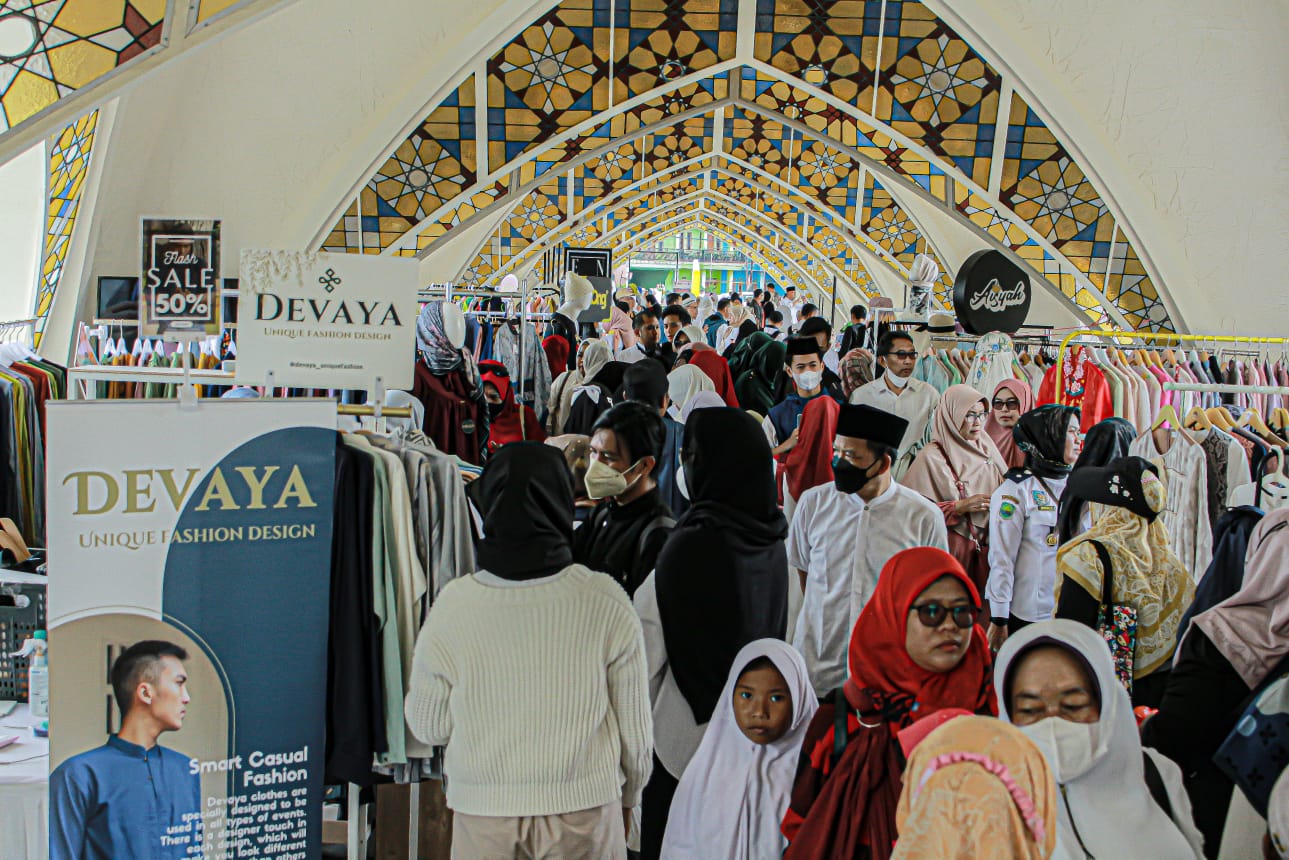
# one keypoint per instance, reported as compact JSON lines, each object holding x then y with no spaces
{"x":1044,"y":186}
{"x":51,"y":48}
{"x":69,"y":159}
{"x":578,"y":86}
{"x":934,"y":89}
{"x":1129,"y":286}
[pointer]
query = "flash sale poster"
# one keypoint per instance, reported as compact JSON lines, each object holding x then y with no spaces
{"x":181,"y":266}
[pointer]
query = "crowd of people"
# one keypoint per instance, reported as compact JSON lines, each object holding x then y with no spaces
{"x":757,"y":598}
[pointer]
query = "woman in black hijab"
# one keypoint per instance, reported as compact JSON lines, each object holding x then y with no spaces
{"x":720,"y":583}
{"x":525,"y":496}
{"x":532,"y":671}
{"x":1105,"y":442}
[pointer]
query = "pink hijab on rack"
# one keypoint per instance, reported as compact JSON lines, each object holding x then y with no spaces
{"x":1251,"y":627}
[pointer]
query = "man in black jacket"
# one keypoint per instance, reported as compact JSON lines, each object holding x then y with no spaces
{"x":629,"y":527}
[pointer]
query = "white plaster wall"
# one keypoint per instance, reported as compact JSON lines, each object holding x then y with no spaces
{"x":22,"y":219}
{"x":1179,"y":108}
{"x":271,"y":126}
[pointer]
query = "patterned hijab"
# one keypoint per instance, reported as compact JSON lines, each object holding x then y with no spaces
{"x":856,"y":370}
{"x":438,"y":353}
{"x":977,"y":788}
{"x":1146,"y":573}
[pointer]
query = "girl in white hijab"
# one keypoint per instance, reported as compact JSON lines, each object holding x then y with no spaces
{"x":1090,"y":740}
{"x":735,"y":790}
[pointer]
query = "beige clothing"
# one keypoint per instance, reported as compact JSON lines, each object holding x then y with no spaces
{"x":596,"y":832}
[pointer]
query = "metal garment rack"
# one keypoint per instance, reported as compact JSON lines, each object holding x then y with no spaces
{"x":1155,"y":338}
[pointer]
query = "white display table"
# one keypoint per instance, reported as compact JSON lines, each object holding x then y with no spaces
{"x":24,"y":791}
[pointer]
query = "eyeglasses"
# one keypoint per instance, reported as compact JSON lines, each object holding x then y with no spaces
{"x":903,"y":353}
{"x":1007,"y":404}
{"x":933,"y":614}
{"x":975,"y":417}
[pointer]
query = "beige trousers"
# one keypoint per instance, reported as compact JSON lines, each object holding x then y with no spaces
{"x":589,"y":834}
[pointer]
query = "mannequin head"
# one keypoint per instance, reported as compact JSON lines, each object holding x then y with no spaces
{"x":454,"y":324}
{"x":578,"y":292}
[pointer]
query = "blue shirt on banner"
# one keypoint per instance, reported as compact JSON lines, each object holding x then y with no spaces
{"x":122,"y":800}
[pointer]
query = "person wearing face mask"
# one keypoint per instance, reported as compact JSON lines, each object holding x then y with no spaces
{"x":916,"y":650}
{"x":1023,"y":522}
{"x":1056,"y":683}
{"x":792,"y":423}
{"x":897,"y":391}
{"x":631,"y":522}
{"x":844,"y":531}
{"x":734,"y":793}
{"x":505,"y":424}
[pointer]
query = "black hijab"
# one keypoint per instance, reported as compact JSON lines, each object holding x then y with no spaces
{"x":1041,"y":433}
{"x":747,"y":329}
{"x":525,"y":495}
{"x":1118,"y":485}
{"x":1106,"y":441}
{"x":720,"y":578}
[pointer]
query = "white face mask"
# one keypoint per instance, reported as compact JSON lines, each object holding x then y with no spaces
{"x":893,"y":380}
{"x":809,"y":380}
{"x":681,"y":486}
{"x":606,"y":482}
{"x":1070,"y":748}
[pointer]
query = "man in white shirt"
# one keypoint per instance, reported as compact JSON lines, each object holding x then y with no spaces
{"x":843,"y":533}
{"x":789,"y":306}
{"x":896,"y":391}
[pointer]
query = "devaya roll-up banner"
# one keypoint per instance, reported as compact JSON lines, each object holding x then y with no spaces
{"x":317,"y":320}
{"x":189,"y":578}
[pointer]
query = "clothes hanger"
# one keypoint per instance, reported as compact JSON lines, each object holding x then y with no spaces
{"x":1167,"y":415}
{"x":1197,"y":419}
{"x":1220,"y":417}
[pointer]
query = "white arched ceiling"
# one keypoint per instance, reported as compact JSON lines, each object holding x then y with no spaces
{"x":857,"y":104}
{"x":271,"y":125}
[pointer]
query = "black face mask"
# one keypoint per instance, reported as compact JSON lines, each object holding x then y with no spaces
{"x":494,"y":410}
{"x":848,"y":478}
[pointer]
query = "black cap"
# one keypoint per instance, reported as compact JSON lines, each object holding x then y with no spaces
{"x":870,"y":424}
{"x":803,"y":346}
{"x":646,"y":382}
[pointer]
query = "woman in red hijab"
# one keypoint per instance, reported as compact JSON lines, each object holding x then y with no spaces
{"x":504,"y":425}
{"x":556,"y":349}
{"x":1012,"y":399}
{"x":915,"y":650}
{"x":718,"y":370}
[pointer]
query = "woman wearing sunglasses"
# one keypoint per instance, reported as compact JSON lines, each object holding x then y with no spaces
{"x":959,"y":471}
{"x":916,"y":650}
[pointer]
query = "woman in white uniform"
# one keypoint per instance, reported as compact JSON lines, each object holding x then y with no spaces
{"x":1023,"y":523}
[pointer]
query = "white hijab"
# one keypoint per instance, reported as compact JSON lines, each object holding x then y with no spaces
{"x":734,"y":793}
{"x":1110,"y":803}
{"x":686,"y":381}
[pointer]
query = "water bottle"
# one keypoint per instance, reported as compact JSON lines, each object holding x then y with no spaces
{"x":38,"y":678}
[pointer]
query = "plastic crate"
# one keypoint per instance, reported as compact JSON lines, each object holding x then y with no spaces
{"x":16,"y":626}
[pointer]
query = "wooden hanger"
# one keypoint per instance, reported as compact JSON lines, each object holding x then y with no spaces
{"x":1279,"y":419}
{"x":1167,"y":415}
{"x":1253,"y":418}
{"x":1197,"y":419}
{"x":1220,"y":417}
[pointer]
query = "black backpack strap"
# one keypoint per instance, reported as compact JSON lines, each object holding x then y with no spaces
{"x":1155,"y":782}
{"x":1107,"y":576}
{"x":662,"y":521}
{"x":840,"y":711}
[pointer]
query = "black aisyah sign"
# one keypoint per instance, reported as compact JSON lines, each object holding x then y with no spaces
{"x":991,"y":293}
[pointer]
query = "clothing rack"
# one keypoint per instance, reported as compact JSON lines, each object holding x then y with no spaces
{"x":1168,"y":339}
{"x":18,"y":331}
